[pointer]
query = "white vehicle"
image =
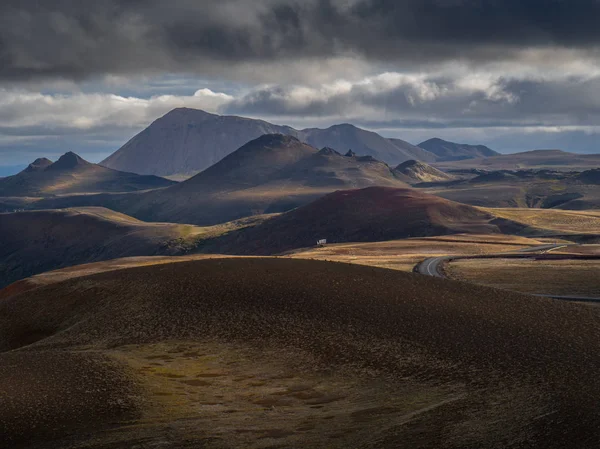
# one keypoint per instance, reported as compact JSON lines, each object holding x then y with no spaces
{"x":322,"y":242}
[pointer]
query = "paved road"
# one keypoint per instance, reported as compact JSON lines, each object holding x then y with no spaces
{"x":433,"y":265}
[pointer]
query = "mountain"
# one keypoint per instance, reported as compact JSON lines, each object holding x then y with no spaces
{"x":348,"y":137}
{"x":187,"y":141}
{"x":364,"y":215}
{"x":273,"y":173}
{"x":450,"y":151}
{"x":38,"y":165}
{"x":415,"y":152}
{"x":293,"y":353}
{"x":71,"y":174}
{"x":417,"y":172}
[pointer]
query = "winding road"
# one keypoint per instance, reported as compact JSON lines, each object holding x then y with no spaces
{"x":433,"y":266}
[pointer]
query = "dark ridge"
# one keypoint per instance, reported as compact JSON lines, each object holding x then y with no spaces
{"x":38,"y":165}
{"x":326,"y":151}
{"x":69,"y":161}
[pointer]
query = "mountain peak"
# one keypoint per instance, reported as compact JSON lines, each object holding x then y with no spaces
{"x":410,"y":163}
{"x":185,"y":116}
{"x":326,"y":151}
{"x":274,"y":140}
{"x":38,"y":165}
{"x":182,"y":111}
{"x":69,"y":161}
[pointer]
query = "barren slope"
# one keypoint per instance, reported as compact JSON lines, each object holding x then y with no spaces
{"x":289,"y":353}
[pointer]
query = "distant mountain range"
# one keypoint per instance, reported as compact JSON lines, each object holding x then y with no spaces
{"x":71,"y":174}
{"x":273,"y":173}
{"x":450,"y":151}
{"x":187,"y":141}
{"x":536,"y":159}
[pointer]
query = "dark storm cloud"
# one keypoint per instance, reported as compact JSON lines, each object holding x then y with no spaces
{"x":75,"y":39}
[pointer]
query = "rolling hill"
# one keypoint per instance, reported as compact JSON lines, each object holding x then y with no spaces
{"x":294,"y":353}
{"x":187,"y":141}
{"x":370,"y":214}
{"x":450,"y":151}
{"x":37,"y":241}
{"x":71,"y":175}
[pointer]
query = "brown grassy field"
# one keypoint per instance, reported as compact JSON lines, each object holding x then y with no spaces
{"x":404,"y":254}
{"x":550,"y":277}
{"x":552,"y":220}
{"x":264,"y":353}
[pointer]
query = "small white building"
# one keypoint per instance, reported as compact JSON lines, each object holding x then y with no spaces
{"x":322,"y":242}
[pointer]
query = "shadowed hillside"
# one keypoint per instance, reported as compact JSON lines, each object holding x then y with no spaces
{"x":273,"y":173}
{"x":257,"y":352}
{"x":450,"y":151}
{"x":71,"y":174}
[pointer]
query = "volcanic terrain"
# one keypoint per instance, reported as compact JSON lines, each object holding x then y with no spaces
{"x":293,"y":353}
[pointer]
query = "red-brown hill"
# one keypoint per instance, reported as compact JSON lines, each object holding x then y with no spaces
{"x":370,"y":214}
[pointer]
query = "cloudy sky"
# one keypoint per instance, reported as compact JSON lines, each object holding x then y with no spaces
{"x":513,"y":74}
